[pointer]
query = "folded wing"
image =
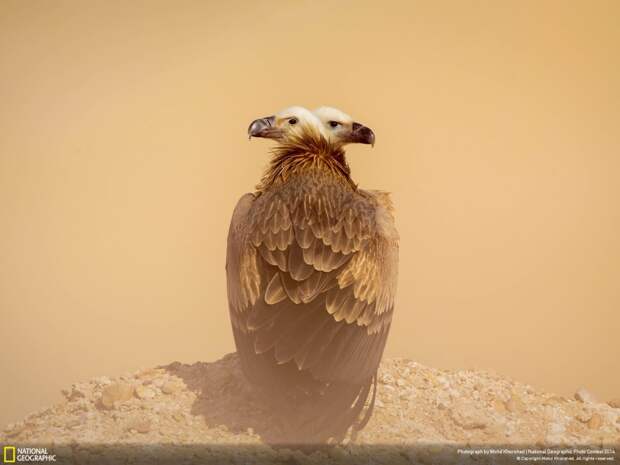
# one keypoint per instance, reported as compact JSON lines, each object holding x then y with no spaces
{"x":311,"y":280}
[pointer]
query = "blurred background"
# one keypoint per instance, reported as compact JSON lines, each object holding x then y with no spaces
{"x":123,"y":151}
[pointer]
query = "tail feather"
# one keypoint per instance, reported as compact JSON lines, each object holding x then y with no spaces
{"x":310,"y":411}
{"x":328,"y":413}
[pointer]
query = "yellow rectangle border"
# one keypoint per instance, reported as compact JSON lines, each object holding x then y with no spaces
{"x":4,"y":454}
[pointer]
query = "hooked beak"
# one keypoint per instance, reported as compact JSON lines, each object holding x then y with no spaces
{"x":362,"y":135}
{"x":263,"y":127}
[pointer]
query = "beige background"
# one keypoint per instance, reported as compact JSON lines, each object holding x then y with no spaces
{"x":123,"y":152}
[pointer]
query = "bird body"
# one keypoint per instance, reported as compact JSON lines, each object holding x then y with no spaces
{"x":312,"y":267}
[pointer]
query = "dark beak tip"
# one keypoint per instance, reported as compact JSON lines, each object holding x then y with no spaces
{"x":362,"y":134}
{"x":371,"y":137}
{"x":259,"y":126}
{"x":368,"y":136}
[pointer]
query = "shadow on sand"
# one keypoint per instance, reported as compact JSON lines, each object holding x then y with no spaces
{"x":224,"y":398}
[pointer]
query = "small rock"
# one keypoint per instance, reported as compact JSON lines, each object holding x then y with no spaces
{"x":615,"y":403}
{"x":556,"y":428}
{"x":171,"y":387}
{"x":145,"y":392}
{"x":159,"y":382}
{"x":595,"y":422}
{"x":103,"y":381}
{"x":81,"y":405}
{"x":585,"y":396}
{"x":148,"y":373}
{"x":73,"y":394}
{"x":574,"y":427}
{"x":443,"y":400}
{"x":431,"y":379}
{"x":515,"y":404}
{"x":15,"y":430}
{"x":583,"y":416}
{"x":499,"y":406}
{"x":468,"y":417}
{"x":117,"y":392}
{"x":141,"y":425}
{"x":73,"y":423}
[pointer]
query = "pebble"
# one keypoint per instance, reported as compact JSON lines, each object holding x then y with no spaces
{"x":556,"y":428}
{"x":171,"y":387}
{"x":596,"y":421}
{"x":585,"y":396}
{"x":159,"y":382}
{"x":73,"y":423}
{"x":141,"y":425}
{"x":15,"y":430}
{"x":145,"y":392}
{"x":74,"y":394}
{"x":117,"y":392}
{"x":615,"y":403}
{"x":443,"y":400}
{"x":103,"y":380}
{"x":82,"y":405}
{"x":468,"y":416}
{"x":499,"y":406}
{"x":515,"y":404}
{"x":148,"y":373}
{"x":583,"y":416}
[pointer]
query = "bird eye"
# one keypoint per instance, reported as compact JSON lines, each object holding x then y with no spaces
{"x":334,"y":124}
{"x":292,"y":121}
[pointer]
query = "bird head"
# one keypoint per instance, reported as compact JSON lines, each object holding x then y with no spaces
{"x":285,"y":124}
{"x":341,"y":129}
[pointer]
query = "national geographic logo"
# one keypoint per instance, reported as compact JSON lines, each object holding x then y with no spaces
{"x":8,"y":454}
{"x":12,"y":454}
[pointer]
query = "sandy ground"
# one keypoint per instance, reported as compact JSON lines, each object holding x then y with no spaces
{"x":206,"y":413}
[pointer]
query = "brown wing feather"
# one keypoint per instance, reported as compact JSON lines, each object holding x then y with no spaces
{"x":314,"y":279}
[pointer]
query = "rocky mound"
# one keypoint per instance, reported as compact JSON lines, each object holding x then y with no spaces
{"x":206,"y":413}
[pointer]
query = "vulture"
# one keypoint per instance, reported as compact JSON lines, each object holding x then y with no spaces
{"x":311,"y":271}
